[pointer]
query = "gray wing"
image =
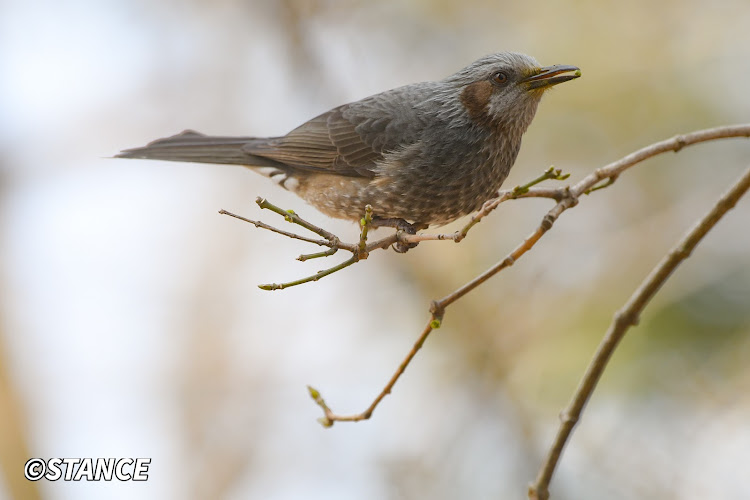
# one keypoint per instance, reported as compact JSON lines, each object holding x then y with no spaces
{"x":351,"y":139}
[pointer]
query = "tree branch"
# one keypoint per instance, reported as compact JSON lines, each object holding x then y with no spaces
{"x":329,"y":417}
{"x":566,"y":198}
{"x":359,"y":251}
{"x":626,"y":317}
{"x":675,"y":144}
{"x":263,"y":225}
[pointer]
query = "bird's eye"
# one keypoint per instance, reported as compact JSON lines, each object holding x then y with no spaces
{"x":499,"y":78}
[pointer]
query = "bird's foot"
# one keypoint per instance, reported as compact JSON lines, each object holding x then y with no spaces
{"x":401,"y":225}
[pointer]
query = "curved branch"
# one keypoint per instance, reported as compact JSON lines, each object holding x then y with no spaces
{"x":675,"y":144}
{"x":626,"y":317}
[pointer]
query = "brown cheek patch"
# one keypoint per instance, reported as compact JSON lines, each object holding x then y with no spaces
{"x":475,"y":98}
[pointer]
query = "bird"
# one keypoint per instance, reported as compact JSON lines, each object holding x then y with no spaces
{"x":420,"y":155}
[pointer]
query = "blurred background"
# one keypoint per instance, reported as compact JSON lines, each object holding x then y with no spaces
{"x":130,"y":320}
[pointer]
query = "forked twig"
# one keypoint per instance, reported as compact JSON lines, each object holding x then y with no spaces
{"x":566,"y":198}
{"x":263,"y":225}
{"x":361,"y":249}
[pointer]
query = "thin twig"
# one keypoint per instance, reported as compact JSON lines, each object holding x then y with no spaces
{"x":262,"y":225}
{"x":492,"y":204}
{"x":675,"y":144}
{"x":567,"y":197}
{"x":547,"y":222}
{"x":330,"y":417}
{"x":550,"y":173}
{"x":292,"y":217}
{"x":315,"y":277}
{"x":359,"y":252}
{"x":317,"y":255}
{"x":553,"y":193}
{"x":626,"y":317}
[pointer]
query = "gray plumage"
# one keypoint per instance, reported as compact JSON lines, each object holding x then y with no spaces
{"x":427,"y":153}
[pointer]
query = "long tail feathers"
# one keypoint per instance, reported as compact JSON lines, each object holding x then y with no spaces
{"x":192,"y":146}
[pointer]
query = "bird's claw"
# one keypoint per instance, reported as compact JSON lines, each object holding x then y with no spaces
{"x":402,"y":247}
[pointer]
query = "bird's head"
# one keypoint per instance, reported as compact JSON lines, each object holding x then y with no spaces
{"x":504,"y":89}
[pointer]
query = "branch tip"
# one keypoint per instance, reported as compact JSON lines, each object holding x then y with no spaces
{"x":314,"y":393}
{"x":325,"y":422}
{"x":325,"y":253}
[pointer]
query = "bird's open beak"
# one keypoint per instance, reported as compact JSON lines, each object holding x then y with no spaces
{"x":551,"y":75}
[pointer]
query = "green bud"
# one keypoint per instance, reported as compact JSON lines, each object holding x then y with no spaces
{"x":325,"y":422}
